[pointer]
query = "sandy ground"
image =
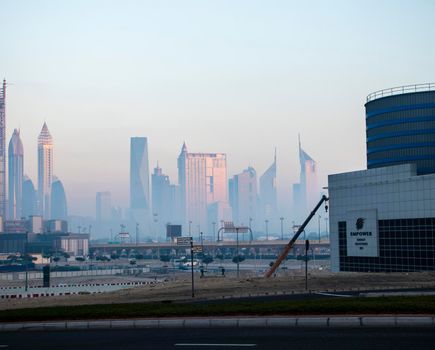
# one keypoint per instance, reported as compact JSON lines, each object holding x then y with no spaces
{"x":178,"y":287}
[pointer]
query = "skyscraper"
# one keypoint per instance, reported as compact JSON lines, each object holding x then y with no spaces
{"x":203,"y":181}
{"x":45,"y":171}
{"x":59,"y":207}
{"x":306,"y":193}
{"x":3,"y":150}
{"x":139,"y":181}
{"x":15,"y":160}
{"x":103,"y":207}
{"x":29,"y":198}
{"x":139,"y":174}
{"x":268,"y":195}
{"x":161,"y":195}
{"x":103,"y":211}
{"x":243,"y":196}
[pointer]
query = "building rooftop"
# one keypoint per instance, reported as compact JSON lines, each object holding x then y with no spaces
{"x":399,"y":90}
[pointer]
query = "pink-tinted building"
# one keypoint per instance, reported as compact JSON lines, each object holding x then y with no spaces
{"x":203,"y":181}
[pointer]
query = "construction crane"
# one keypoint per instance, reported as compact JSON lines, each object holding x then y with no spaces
{"x":295,"y":237}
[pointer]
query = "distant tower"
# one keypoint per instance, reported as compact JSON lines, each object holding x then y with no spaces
{"x":15,"y":175}
{"x":3,"y":150}
{"x":203,"y":188}
{"x":45,"y":171}
{"x":139,"y":174}
{"x":59,"y":208}
{"x":243,"y":196}
{"x":29,"y":198}
{"x":268,"y":195}
{"x":103,"y":207}
{"x":306,"y":193}
{"x":139,"y":182}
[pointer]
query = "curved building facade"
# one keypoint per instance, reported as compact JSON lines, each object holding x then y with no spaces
{"x":400,"y":127}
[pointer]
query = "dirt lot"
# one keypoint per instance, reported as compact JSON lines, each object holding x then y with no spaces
{"x":178,"y":287}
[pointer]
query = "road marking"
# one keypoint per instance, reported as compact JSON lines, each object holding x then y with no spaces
{"x":4,"y":346}
{"x":335,"y":295}
{"x":205,"y":344}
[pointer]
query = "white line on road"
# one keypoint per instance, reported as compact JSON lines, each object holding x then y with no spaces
{"x":199,"y":344}
{"x":335,"y":295}
{"x":4,"y":346}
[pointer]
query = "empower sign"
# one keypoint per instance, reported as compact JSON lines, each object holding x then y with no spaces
{"x":362,"y":233}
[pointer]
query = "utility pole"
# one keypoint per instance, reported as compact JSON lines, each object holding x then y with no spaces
{"x":307,"y":246}
{"x":282,"y":228}
{"x":267,"y":229}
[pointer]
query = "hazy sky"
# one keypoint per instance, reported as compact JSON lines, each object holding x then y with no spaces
{"x":239,"y":77}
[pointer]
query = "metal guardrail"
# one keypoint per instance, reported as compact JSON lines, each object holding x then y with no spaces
{"x":398,"y":90}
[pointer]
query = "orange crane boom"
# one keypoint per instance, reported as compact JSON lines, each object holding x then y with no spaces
{"x":290,"y":244}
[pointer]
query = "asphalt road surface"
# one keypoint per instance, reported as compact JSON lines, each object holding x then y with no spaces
{"x":255,"y":338}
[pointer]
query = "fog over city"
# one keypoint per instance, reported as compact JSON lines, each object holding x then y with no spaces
{"x":241,"y":80}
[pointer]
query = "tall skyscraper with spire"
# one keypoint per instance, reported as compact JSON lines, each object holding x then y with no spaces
{"x":268,"y":193}
{"x":306,"y":193}
{"x":3,"y":150}
{"x":15,"y":175}
{"x":45,"y":171}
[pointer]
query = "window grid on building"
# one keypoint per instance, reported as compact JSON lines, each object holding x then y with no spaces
{"x":405,"y":245}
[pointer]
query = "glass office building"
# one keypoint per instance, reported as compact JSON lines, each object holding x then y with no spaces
{"x":401,"y":127}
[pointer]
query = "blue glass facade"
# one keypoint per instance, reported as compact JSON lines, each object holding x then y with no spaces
{"x":401,"y":129}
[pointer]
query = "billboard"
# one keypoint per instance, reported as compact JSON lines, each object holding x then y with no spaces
{"x":173,"y":231}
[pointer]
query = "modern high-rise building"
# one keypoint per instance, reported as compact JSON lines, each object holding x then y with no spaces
{"x":29,"y":198}
{"x":103,"y":207}
{"x":104,"y":215}
{"x":59,"y":207}
{"x":244,"y":197}
{"x":203,"y":181}
{"x":139,"y":174}
{"x":3,"y":150}
{"x":15,"y":188}
{"x":306,"y":193}
{"x":139,"y":182}
{"x":268,"y":194}
{"x":161,"y":196}
{"x":45,"y":171}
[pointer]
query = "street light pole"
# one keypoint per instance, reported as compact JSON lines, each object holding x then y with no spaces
{"x":267,"y":229}
{"x":237,"y":245}
{"x":190,"y":228}
{"x":137,"y":233}
{"x":319,"y":226}
{"x":282,"y":228}
{"x":307,"y":246}
{"x":214,"y":230}
{"x":27,"y":268}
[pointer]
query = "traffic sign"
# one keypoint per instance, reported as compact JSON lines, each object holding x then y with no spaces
{"x":184,"y":241}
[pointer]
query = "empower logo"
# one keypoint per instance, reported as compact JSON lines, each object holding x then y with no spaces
{"x":359,"y":223}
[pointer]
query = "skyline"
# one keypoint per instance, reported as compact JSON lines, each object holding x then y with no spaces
{"x":202,"y":73}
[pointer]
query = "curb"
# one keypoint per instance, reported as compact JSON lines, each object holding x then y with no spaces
{"x":242,"y":322}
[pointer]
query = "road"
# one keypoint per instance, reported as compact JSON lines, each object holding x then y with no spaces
{"x":161,"y":339}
